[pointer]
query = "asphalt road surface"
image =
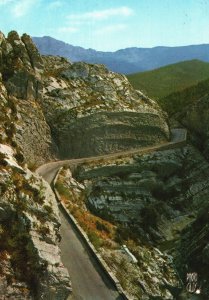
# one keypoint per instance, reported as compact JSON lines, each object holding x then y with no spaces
{"x":48,"y":171}
{"x":89,"y":282}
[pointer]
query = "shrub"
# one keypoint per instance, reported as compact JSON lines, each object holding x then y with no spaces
{"x":102,"y":227}
{"x":121,"y":278}
{"x":19,"y":157}
{"x":95,"y":240}
{"x":10,"y":130}
{"x":43,"y":230}
{"x":149,"y":216}
{"x":62,"y":190}
{"x":48,"y":209}
{"x":2,"y":161}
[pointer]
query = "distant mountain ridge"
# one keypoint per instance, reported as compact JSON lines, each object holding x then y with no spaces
{"x":127,"y":61}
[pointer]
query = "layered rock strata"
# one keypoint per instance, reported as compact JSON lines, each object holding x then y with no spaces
{"x":93,"y":111}
{"x":50,"y":107}
{"x":89,"y":110}
{"x":159,"y":199}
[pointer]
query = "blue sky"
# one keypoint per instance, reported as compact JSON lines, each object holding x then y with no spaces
{"x":110,"y":24}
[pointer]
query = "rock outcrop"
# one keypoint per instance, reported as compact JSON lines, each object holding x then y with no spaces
{"x":159,"y":199}
{"x":89,"y":110}
{"x":93,"y":111}
{"x":139,"y":191}
{"x":53,"y":108}
{"x":21,"y":67}
{"x":30,"y":265}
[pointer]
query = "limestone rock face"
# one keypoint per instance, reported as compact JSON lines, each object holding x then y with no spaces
{"x":166,"y":180}
{"x":32,"y":133}
{"x":21,"y":67}
{"x":89,"y":110}
{"x":160,"y":198}
{"x":30,"y":263}
{"x":51,"y":107}
{"x":29,"y":227}
{"x":106,"y":132}
{"x":93,"y":111}
{"x":19,"y":53}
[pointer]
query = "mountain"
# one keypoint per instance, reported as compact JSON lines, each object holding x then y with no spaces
{"x":154,"y":201}
{"x":190,"y":108}
{"x":161,"y":82}
{"x":126,"y":61}
{"x":182,"y":90}
{"x":50,"y":109}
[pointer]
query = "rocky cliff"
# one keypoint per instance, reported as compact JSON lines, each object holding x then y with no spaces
{"x":159,"y":201}
{"x":30,"y":264}
{"x":93,"y":111}
{"x":195,"y":117}
{"x":148,"y":189}
{"x":49,"y":108}
{"x":21,"y":67}
{"x":89,"y":110}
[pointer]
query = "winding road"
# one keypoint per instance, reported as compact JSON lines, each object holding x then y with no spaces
{"x":49,"y":170}
{"x":89,"y":282}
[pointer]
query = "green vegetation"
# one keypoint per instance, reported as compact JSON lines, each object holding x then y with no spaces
{"x":95,"y":239}
{"x":2,"y":157}
{"x":121,"y":273}
{"x":162,"y":82}
{"x":178,"y":101}
{"x":99,"y":231}
{"x":62,"y":190}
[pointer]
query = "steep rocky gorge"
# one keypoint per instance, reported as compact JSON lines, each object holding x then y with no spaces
{"x":51,"y":108}
{"x":195,"y":118}
{"x":159,"y":201}
{"x":70,"y":99}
